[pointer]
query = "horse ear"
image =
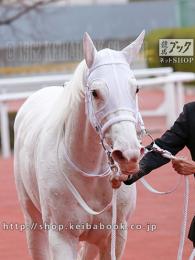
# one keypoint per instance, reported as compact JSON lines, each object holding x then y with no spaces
{"x":89,"y":50}
{"x":133,"y":49}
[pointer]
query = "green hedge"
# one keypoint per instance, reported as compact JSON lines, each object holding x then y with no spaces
{"x":152,"y":47}
{"x":11,"y":128}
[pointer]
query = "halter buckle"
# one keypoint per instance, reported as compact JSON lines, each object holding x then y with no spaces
{"x":114,"y":168}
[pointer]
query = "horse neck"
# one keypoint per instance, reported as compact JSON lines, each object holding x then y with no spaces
{"x":83,"y":143}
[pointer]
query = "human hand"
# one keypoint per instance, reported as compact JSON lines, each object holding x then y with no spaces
{"x":183,"y":166}
{"x":116,"y":180}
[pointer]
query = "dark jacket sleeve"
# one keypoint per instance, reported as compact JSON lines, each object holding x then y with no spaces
{"x":172,"y":140}
{"x":191,"y":234}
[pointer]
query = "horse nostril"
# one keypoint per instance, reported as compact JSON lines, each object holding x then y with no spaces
{"x":118,"y":155}
{"x":126,"y":156}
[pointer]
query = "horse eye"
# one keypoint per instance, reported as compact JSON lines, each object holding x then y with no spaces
{"x":137,"y":90}
{"x":94,"y":93}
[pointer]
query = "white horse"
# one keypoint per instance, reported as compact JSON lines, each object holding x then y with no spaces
{"x":60,"y":164}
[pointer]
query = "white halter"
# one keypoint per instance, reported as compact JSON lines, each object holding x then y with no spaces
{"x":114,"y":65}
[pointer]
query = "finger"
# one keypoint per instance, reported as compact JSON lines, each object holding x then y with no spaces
{"x":179,"y":159}
{"x":116,"y":185}
{"x":113,"y":177}
{"x":177,"y":168}
{"x":123,"y":177}
{"x":174,"y":164}
{"x":177,"y":163}
{"x":115,"y":182}
{"x":180,"y":172}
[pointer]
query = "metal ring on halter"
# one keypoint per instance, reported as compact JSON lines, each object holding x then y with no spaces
{"x":153,"y":142}
{"x":148,"y":134}
{"x":114,"y":168}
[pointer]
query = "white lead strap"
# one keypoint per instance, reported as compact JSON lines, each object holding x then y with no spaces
{"x":168,"y":155}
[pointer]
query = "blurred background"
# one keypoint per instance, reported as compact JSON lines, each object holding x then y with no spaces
{"x":42,"y":38}
{"x":46,"y":36}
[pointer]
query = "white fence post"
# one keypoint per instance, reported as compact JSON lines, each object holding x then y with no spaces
{"x":180,"y":96}
{"x":170,"y":106}
{"x":5,"y":137}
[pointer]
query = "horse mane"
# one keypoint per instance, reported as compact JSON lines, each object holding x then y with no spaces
{"x":67,"y":101}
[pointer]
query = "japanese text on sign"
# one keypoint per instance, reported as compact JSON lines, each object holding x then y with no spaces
{"x":176,"y":47}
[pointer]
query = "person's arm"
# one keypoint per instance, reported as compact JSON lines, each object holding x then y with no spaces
{"x":172,"y":140}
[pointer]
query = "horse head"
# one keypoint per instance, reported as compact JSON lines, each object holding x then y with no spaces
{"x":111,"y":101}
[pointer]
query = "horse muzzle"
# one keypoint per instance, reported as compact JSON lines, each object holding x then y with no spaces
{"x":128,"y":160}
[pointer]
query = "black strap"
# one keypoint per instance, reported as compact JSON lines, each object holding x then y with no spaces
{"x":191,"y":234}
{"x":134,"y":177}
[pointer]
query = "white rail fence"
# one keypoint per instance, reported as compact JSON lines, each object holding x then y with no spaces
{"x":171,"y":82}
